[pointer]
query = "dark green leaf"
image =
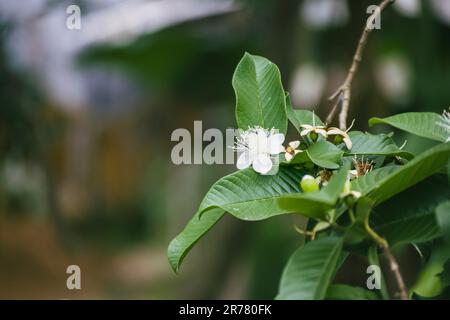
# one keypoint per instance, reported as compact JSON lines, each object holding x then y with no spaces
{"x":251,"y":196}
{"x":325,"y":155}
{"x":346,"y":292}
{"x":260,"y":99}
{"x":371,"y":144}
{"x":194,"y":230}
{"x":424,"y":124}
{"x":310,"y":270}
{"x":410,"y":216}
{"x":443,"y":218}
{"x":445,"y":274}
{"x":380,"y":185}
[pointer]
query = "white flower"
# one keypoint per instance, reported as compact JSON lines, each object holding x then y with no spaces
{"x":258,"y":146}
{"x":307,"y":128}
{"x":445,"y":123}
{"x":344,"y":134}
{"x":292,"y":150}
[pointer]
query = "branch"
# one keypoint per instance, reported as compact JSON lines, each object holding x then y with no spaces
{"x":396,"y":270}
{"x":393,"y":265}
{"x":343,"y":94}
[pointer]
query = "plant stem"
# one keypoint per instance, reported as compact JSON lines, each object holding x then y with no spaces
{"x":343,"y":94}
{"x":351,"y":215}
{"x":393,"y":265}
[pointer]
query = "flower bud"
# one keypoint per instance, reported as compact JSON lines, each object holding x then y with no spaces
{"x":309,"y":184}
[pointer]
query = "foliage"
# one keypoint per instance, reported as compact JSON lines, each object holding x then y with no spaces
{"x":343,"y":213}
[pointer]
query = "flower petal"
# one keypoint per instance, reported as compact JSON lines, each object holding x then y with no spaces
{"x":276,"y":143}
{"x":305,"y":132}
{"x":335,"y":131}
{"x":294,"y":144}
{"x":288,"y":156}
{"x":263,"y":142}
{"x":323,"y":132}
{"x":306,"y":126}
{"x":348,"y":143}
{"x":262,"y":163}
{"x":252,"y":141}
{"x":244,"y":161}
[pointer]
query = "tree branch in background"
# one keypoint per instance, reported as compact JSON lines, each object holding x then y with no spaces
{"x":343,"y":94}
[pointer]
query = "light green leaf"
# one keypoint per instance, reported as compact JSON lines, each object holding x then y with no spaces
{"x":316,"y":204}
{"x":423,"y":124}
{"x":299,"y":116}
{"x":379,"y":144}
{"x":248,"y":195}
{"x":443,"y":218}
{"x":380,"y":185}
{"x":194,"y":230}
{"x":310,"y":270}
{"x":325,"y":154}
{"x":260,"y":99}
{"x":428,"y":283}
{"x":346,"y":292}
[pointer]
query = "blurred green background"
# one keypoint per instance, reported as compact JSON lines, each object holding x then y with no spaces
{"x":86,"y":117}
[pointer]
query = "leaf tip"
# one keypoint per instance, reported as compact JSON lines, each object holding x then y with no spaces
{"x":373,"y":121}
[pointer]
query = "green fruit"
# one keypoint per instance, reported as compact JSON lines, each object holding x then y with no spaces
{"x":309,"y":184}
{"x":314,"y":136}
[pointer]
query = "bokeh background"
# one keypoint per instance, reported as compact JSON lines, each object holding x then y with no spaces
{"x":86,"y":118}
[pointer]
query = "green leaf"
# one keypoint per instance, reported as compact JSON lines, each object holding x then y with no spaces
{"x":370,"y":180}
{"x":357,"y":230}
{"x":325,"y":155}
{"x":428,"y":283}
{"x":248,"y":195}
{"x":443,"y":218}
{"x":380,"y":185}
{"x":310,"y":270}
{"x":445,"y":274}
{"x":379,"y":144}
{"x":410,"y":216}
{"x":423,"y":124}
{"x":194,"y":230}
{"x":316,"y":204}
{"x":299,"y":116}
{"x":260,"y":99}
{"x":346,"y":292}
